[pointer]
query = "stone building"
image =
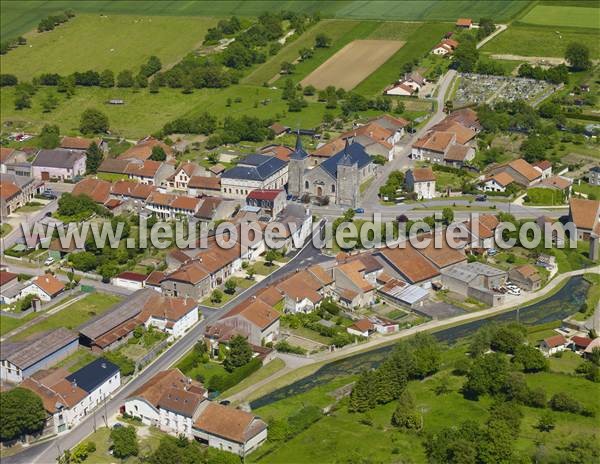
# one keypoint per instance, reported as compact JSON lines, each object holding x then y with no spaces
{"x":338,"y":178}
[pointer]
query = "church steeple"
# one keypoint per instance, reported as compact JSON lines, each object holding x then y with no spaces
{"x":299,"y":152}
{"x":346,"y":159}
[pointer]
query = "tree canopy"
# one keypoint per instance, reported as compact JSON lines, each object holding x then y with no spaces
{"x":22,"y":413}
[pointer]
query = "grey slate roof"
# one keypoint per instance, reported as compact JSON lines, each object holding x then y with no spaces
{"x":353,"y":153}
{"x":19,"y":181}
{"x":595,"y":169}
{"x":94,"y":374}
{"x":255,"y":167}
{"x":58,"y":158}
{"x":299,"y":152}
{"x":27,"y":353}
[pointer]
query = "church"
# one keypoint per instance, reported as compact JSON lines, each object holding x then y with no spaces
{"x":338,"y":178}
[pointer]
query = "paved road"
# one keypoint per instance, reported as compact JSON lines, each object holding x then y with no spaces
{"x":499,"y":29}
{"x":48,"y":451}
{"x":16,"y":234}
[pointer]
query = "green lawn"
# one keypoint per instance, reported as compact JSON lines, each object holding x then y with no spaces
{"x":20,"y":16}
{"x":540,"y":41}
{"x":74,"y":315}
{"x":339,"y":436}
{"x":5,"y":229}
{"x":206,"y":371}
{"x":144,"y":113}
{"x":544,"y":197}
{"x":572,"y":259}
{"x":566,"y":364}
{"x":560,"y":15}
{"x":586,"y":188}
{"x":262,"y":268}
{"x":126,"y":43}
{"x":266,"y":371}
{"x":77,"y":360}
{"x":10,"y":323}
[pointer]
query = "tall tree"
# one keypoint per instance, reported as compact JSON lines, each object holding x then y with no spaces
{"x":578,"y":56}
{"x":94,"y":158}
{"x":93,"y":121}
{"x":405,"y":416}
{"x":124,"y":442}
{"x":22,"y":413}
{"x":362,"y":397}
{"x":49,"y":136}
{"x":240,"y":353}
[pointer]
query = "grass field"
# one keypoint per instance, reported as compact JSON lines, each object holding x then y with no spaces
{"x":341,"y":71}
{"x":540,"y":41}
{"x":340,"y":435}
{"x":266,"y":371}
{"x":144,"y":113}
{"x":559,"y":15}
{"x":127,"y":42}
{"x":73,"y":315}
{"x":20,"y":16}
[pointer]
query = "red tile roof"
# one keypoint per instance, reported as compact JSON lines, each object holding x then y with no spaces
{"x":232,"y":424}
{"x":133,"y":276}
{"x":6,"y":277}
{"x":49,"y":284}
{"x":423,"y":175}
{"x":76,"y":143}
{"x":97,"y":189}
{"x":267,"y":195}
{"x":556,"y":340}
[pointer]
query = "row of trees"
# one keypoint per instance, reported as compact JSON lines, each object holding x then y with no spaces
{"x":50,"y":22}
{"x":414,"y":359}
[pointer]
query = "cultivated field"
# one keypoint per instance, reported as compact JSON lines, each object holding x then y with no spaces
{"x":541,"y":41}
{"x":554,"y":15}
{"x":352,"y":64}
{"x":20,"y":16}
{"x":126,"y":42}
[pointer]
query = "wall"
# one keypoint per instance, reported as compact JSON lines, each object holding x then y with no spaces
{"x":140,"y":408}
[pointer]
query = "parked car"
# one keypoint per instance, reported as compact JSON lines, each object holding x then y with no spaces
{"x":481,"y":197}
{"x":225,"y":402}
{"x":359,"y":210}
{"x":49,"y":261}
{"x":515,"y":292}
{"x":492,"y":251}
{"x":49,"y":194}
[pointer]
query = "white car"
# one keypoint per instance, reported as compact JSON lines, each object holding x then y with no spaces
{"x":516,"y":292}
{"x":49,"y":261}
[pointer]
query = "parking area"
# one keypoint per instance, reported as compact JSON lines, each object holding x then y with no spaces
{"x":439,"y":310}
{"x":479,"y":88}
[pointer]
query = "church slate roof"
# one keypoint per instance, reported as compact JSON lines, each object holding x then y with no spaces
{"x":351,"y":154}
{"x":299,"y":152}
{"x":255,"y":167}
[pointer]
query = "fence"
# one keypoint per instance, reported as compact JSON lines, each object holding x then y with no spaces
{"x":140,"y":363}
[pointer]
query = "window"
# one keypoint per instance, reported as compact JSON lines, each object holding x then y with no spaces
{"x":306,"y":184}
{"x":332,"y":188}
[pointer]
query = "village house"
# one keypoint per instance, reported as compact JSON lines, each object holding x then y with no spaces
{"x":559,"y":183}
{"x":82,"y":144}
{"x":255,"y":319}
{"x":445,"y":47}
{"x":553,"y":345}
{"x":142,"y":151}
{"x":7,"y":280}
{"x":351,"y":286}
{"x":16,"y":191}
{"x":20,"y":360}
{"x":271,"y":202}
{"x":481,"y":231}
{"x":169,"y":401}
{"x":69,"y":398}
{"x":174,"y":316}
{"x":422,"y":182}
{"x":526,"y":276}
{"x":400,"y":88}
{"x":464,"y":23}
{"x":282,"y":152}
{"x":169,"y":207}
{"x":129,"y":280}
{"x":475,"y":280}
{"x":44,"y":287}
{"x":497,"y":182}
{"x":10,"y":157}
{"x":254,"y":172}
{"x":379,"y":136}
{"x":593,"y":175}
{"x":361,"y":328}
{"x":304,"y":290}
{"x":204,"y":185}
{"x":229,"y":429}
{"x":544,"y":167}
{"x":180,"y":179}
{"x":336,"y":179}
{"x":149,"y":172}
{"x":521,"y":172}
{"x":585,"y":214}
{"x":59,"y":165}
{"x":410,"y":264}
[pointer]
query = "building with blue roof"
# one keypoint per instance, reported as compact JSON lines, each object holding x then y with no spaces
{"x":254,"y":172}
{"x":99,"y":379}
{"x":337,"y":179}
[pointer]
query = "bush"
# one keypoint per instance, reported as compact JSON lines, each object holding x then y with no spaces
{"x":565,"y":403}
{"x":284,"y":347}
{"x":224,"y":382}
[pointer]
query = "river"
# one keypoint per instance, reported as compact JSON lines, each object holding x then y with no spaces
{"x":563,"y":303}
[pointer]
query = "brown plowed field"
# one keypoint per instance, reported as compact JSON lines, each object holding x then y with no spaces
{"x":352,"y":64}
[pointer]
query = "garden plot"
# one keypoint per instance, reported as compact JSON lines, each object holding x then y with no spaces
{"x":478,"y":88}
{"x":352,"y":64}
